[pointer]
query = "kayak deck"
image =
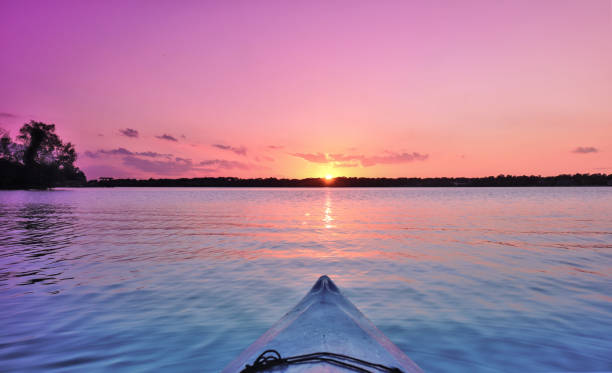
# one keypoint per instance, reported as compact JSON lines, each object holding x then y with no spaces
{"x":325,"y":321}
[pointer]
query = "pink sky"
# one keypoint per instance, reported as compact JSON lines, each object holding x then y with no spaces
{"x":309,"y":88}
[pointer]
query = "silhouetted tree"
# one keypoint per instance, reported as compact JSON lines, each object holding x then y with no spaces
{"x":6,"y":147}
{"x":42,"y":160}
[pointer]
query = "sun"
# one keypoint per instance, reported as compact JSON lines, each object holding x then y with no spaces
{"x":329,"y":177}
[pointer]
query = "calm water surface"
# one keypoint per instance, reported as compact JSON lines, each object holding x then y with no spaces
{"x":462,"y":280}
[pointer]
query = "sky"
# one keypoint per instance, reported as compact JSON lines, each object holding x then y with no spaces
{"x":312,"y":88}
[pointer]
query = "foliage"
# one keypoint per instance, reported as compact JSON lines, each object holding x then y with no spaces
{"x":39,"y":160}
{"x":345,"y":182}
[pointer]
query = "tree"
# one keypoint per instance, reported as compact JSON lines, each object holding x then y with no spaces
{"x":6,"y":146}
{"x":42,"y":160}
{"x":40,"y":141}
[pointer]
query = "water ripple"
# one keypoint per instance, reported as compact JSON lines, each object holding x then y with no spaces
{"x":463,"y":280}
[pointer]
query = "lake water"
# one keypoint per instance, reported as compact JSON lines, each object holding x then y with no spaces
{"x":462,"y":280}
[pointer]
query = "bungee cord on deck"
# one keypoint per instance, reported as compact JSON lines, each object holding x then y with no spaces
{"x":271,"y":358}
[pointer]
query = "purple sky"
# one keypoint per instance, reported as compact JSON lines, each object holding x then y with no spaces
{"x":309,"y":88}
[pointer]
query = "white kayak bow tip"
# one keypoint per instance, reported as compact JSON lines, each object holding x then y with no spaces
{"x":325,"y":323}
{"x":324,"y":283}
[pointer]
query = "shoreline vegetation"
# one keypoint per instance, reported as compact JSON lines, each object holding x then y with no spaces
{"x":344,"y":182}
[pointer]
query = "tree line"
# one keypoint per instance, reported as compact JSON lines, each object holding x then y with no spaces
{"x":38,"y":159}
{"x":490,"y":181}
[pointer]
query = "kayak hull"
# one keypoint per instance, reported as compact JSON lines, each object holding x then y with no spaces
{"x":325,"y":321}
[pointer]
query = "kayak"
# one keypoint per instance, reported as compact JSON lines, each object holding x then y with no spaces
{"x":324,"y":332}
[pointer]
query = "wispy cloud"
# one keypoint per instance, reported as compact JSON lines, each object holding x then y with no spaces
{"x":167,"y":137}
{"x":391,"y":158}
{"x":123,"y":152}
{"x":175,"y":166}
{"x":345,"y":164}
{"x":94,"y":171}
{"x":275,"y":147}
{"x":237,"y":150}
{"x":225,"y":164}
{"x":7,"y":115}
{"x":129,"y":132}
{"x":312,"y":157}
{"x":167,"y":164}
{"x":585,"y":150}
{"x":261,"y":158}
{"x":178,"y":166}
{"x":352,"y":160}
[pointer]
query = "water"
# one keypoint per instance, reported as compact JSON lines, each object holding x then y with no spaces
{"x":462,"y":280}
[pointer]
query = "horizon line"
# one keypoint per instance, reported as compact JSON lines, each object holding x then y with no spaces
{"x":355,"y":177}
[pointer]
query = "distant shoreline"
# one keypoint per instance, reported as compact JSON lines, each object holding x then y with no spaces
{"x":355,"y":182}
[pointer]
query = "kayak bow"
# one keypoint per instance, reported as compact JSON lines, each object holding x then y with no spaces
{"x":323,"y":332}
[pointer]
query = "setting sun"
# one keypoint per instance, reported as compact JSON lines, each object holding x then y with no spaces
{"x":328,"y":177}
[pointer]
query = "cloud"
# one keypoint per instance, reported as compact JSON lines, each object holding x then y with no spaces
{"x":123,"y":151}
{"x":167,"y":137}
{"x":129,"y":132}
{"x":391,"y":158}
{"x":261,"y":158}
{"x":178,"y":165}
{"x":344,"y":158}
{"x":102,"y":170}
{"x":240,"y":151}
{"x":585,"y":150}
{"x":275,"y":147}
{"x":312,"y":157}
{"x":351,"y":160}
{"x":170,"y":167}
{"x":225,"y":164}
{"x":7,"y":115}
{"x":167,"y":164}
{"x":345,"y":164}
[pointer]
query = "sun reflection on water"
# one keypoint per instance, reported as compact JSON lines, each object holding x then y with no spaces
{"x":327,"y":218}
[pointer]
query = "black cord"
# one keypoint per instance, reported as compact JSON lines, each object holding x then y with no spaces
{"x":272,"y":358}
